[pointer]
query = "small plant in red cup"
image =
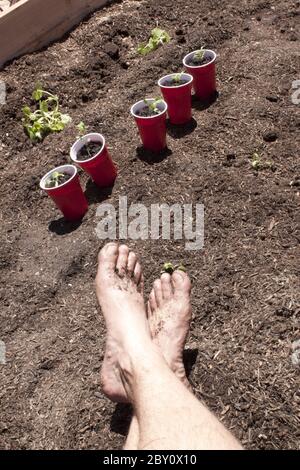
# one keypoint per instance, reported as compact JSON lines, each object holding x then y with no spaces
{"x":177,"y":92}
{"x":201,"y":64}
{"x":91,"y":154}
{"x":150,"y":116}
{"x":63,"y":186}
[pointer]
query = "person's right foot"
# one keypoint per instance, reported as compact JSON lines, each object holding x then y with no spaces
{"x":169,"y":316}
{"x":119,"y":288}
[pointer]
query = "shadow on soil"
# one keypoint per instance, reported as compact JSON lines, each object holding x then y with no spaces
{"x":203,"y":105}
{"x":179,"y":131}
{"x":152,"y":158}
{"x":120,"y":420}
{"x":63,"y":227}
{"x":94,"y":194}
{"x":122,"y":415}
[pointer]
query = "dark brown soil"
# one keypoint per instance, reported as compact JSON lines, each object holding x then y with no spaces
{"x":88,"y":151}
{"x":147,"y":112}
{"x":198,"y":62}
{"x":175,"y":83}
{"x":245,"y":280}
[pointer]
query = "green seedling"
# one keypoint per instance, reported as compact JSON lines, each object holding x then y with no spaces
{"x":153,"y":106}
{"x":47,"y":118}
{"x":56,"y":179}
{"x":199,"y":55}
{"x":158,"y":37}
{"x":257,"y":162}
{"x":82,"y":129}
{"x":170,"y":268}
{"x":178,"y":77}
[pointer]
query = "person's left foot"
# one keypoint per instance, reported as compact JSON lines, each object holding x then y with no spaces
{"x":169,"y":315}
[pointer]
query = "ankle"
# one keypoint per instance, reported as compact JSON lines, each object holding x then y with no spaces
{"x":136,"y":361}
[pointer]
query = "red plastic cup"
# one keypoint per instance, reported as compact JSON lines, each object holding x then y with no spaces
{"x":204,"y":83}
{"x":69,"y":196}
{"x":100,"y":167}
{"x":153,"y":129}
{"x":178,"y":98}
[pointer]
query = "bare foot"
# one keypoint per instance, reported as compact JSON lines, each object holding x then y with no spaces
{"x":119,"y":288}
{"x":169,"y":316}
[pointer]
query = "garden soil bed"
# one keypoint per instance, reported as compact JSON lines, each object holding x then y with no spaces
{"x":245,"y":288}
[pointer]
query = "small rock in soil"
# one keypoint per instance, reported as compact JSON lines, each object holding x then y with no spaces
{"x":270,"y":136}
{"x":296,"y":358}
{"x":293,"y":37}
{"x":296,"y":345}
{"x":295,"y":182}
{"x":272,"y":98}
{"x":3,"y":427}
{"x":112,"y":50}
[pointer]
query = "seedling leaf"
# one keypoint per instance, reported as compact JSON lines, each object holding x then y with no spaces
{"x":170,"y":268}
{"x":157,"y":38}
{"x":47,"y":118}
{"x":153,"y":106}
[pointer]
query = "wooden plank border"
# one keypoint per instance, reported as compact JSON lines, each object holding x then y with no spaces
{"x":30,"y":25}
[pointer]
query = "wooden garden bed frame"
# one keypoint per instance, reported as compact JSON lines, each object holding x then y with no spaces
{"x":30,"y":25}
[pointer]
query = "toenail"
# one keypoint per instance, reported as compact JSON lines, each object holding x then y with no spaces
{"x":166,"y":277}
{"x":178,"y":275}
{"x":123,"y":248}
{"x":111,"y":248}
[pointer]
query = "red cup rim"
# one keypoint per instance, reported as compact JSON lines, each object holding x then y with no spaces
{"x":92,"y":137}
{"x":58,"y":168}
{"x":199,"y":66}
{"x":138,"y":103}
{"x":170,"y":75}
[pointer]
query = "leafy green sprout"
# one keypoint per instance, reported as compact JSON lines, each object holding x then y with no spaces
{"x":82,"y":129}
{"x":177,"y":77}
{"x":157,"y":38}
{"x":257,"y":162}
{"x":199,"y":55}
{"x":170,"y":268}
{"x":55,"y":179}
{"x":47,"y":118}
{"x":153,"y":106}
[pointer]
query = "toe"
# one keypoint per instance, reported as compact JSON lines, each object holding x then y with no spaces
{"x":138,"y":274}
{"x":108,"y":256}
{"x":152,"y":303}
{"x":158,"y":292}
{"x":131,"y":262}
{"x":181,"y":283}
{"x":122,"y":259}
{"x":166,"y":286}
